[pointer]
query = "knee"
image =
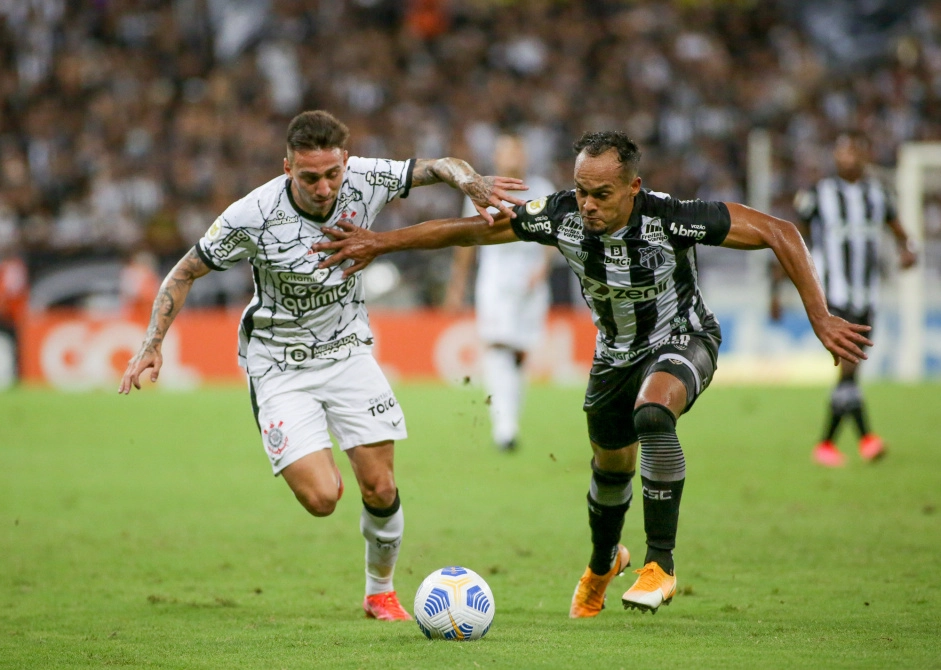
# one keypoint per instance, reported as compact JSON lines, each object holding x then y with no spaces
{"x":380,"y":493}
{"x":318,"y":504}
{"x":653,"y":418}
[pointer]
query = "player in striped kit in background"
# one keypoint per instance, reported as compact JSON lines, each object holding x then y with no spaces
{"x":634,"y":251}
{"x":846,"y":215}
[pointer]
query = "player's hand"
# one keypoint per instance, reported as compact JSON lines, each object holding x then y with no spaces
{"x":487,"y":192}
{"x":348,"y":242}
{"x":147,"y":357}
{"x":774,"y":309}
{"x":843,"y":339}
{"x":907,"y":258}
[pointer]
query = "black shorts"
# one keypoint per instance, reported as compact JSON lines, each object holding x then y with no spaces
{"x":612,"y":392}
{"x":864,"y":318}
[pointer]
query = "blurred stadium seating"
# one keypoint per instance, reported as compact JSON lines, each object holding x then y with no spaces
{"x":127,"y":126}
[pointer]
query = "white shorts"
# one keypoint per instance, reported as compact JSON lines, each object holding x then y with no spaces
{"x":510,"y":315}
{"x":299,"y":409}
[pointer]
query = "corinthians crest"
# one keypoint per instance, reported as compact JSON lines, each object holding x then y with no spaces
{"x":651,"y":257}
{"x":275,"y":439}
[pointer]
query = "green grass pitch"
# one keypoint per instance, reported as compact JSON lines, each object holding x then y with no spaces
{"x":146,"y":531}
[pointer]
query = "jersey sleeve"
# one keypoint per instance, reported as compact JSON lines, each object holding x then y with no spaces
{"x":228,"y":239}
{"x":537,"y":220}
{"x":383,"y":179}
{"x":689,"y":222}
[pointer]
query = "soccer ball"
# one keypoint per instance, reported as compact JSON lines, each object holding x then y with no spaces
{"x":454,"y":604}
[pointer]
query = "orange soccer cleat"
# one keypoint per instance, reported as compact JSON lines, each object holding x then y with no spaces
{"x":588,"y":599}
{"x":385,"y":607}
{"x":827,"y":455}
{"x":871,"y":447}
{"x":653,"y":588}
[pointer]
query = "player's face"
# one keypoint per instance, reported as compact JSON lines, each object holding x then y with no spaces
{"x":509,"y":157}
{"x":605,"y":194}
{"x":316,"y":176}
{"x":850,"y":156}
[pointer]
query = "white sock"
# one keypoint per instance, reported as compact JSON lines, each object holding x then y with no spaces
{"x":503,"y":381}
{"x":383,"y":536}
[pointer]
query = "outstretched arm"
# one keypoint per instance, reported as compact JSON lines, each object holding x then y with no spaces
{"x":483,"y":191}
{"x":907,"y":255}
{"x":752,"y":229}
{"x":362,"y":245}
{"x":170,"y":298}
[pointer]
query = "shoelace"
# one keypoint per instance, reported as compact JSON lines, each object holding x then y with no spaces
{"x":649,"y":580}
{"x":389,"y":601}
{"x":595,"y":588}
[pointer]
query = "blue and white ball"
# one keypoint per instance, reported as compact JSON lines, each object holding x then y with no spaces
{"x":454,"y":604}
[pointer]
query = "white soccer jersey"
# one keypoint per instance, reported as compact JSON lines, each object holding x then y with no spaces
{"x":301,"y":316}
{"x":510,"y":311}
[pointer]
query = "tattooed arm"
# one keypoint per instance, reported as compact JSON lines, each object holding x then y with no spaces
{"x":167,"y":305}
{"x":483,"y":191}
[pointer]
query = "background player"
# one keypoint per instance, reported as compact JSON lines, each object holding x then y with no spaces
{"x":304,"y":340}
{"x":511,"y":299}
{"x":657,"y":343}
{"x":846,"y":214}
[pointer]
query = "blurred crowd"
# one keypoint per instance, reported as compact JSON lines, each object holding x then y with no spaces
{"x":129,"y":125}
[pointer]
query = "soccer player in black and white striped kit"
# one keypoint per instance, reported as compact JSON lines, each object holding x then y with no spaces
{"x":846,"y":214}
{"x":634,"y":252}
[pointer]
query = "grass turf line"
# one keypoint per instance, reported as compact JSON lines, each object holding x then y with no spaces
{"x":146,"y":532}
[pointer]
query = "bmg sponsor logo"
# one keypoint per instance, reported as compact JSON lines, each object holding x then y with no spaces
{"x":229,"y":242}
{"x":540,"y":224}
{"x":695,"y":230}
{"x":387,"y":179}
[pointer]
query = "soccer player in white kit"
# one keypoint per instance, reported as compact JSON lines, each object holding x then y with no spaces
{"x":511,"y":300}
{"x":304,"y":339}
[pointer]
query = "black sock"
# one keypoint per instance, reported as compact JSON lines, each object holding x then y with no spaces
{"x":859,"y":416}
{"x":606,"y":523}
{"x":663,"y":472}
{"x":661,"y":517}
{"x":835,"y":418}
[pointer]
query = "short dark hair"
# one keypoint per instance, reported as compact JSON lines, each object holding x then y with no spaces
{"x":854,"y":135}
{"x":316,"y":130}
{"x":595,"y":144}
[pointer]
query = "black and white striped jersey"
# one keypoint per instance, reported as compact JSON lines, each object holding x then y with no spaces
{"x":846,"y":221}
{"x":641,"y":283}
{"x":301,"y":316}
